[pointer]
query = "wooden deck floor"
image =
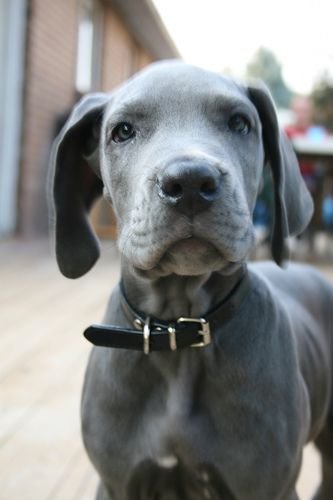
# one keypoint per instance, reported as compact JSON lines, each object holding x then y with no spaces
{"x":43,"y":357}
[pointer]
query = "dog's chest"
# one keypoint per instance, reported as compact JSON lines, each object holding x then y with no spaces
{"x":189,"y":414}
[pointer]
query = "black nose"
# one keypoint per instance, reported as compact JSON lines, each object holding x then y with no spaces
{"x":190,"y":188}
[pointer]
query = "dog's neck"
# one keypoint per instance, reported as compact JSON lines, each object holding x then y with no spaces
{"x":170,"y":297}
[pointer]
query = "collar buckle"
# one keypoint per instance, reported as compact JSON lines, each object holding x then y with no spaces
{"x":204,"y":332}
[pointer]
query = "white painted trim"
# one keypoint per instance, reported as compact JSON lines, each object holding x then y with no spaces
{"x":12,"y":56}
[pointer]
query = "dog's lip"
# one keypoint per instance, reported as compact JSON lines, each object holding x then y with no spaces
{"x":193,"y":246}
{"x":189,"y":245}
{"x":192,"y":243}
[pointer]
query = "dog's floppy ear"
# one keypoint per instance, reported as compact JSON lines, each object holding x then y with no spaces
{"x":293,"y":206}
{"x":75,"y":184}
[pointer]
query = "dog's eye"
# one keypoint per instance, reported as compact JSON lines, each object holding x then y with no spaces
{"x":239,"y":124}
{"x":122,"y":132}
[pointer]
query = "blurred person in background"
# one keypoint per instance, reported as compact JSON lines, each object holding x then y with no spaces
{"x":303,"y":127}
{"x":312,"y":172}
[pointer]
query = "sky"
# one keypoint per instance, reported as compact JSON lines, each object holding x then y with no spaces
{"x":225,"y":34}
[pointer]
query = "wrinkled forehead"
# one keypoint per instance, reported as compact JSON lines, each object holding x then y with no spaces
{"x":170,"y":84}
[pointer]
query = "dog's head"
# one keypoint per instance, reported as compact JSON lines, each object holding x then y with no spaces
{"x":179,"y":152}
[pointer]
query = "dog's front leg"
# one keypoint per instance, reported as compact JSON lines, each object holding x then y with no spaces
{"x":294,"y":496}
{"x":102,"y":493}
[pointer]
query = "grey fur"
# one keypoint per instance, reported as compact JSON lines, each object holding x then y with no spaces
{"x":228,"y":421}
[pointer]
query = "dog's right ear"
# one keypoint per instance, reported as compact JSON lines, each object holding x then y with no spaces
{"x":75,"y":183}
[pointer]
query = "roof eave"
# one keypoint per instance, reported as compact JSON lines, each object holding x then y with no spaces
{"x":144,"y":21}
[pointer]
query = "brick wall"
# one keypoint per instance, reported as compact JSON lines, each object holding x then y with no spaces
{"x":49,"y":90}
{"x":143,"y":58}
{"x":122,"y":55}
{"x":118,"y":51}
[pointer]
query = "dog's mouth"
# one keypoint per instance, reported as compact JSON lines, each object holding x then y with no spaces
{"x":186,"y":247}
{"x":191,"y":245}
{"x":192,"y":256}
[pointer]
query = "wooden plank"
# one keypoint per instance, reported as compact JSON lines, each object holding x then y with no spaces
{"x":49,"y":326}
{"x":78,"y":482}
{"x":45,"y":445}
{"x":43,"y":360}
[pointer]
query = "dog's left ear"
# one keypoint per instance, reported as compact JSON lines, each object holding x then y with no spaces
{"x":75,"y":183}
{"x":293,"y":206}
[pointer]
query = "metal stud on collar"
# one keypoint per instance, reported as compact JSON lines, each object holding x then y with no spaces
{"x":172,"y":338}
{"x":146,"y":336}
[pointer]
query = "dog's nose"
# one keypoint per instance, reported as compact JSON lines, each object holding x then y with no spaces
{"x":189,"y":188}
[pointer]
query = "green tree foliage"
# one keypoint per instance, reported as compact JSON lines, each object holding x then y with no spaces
{"x":266,"y":67}
{"x":322,"y":97}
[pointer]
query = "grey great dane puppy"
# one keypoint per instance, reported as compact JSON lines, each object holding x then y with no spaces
{"x":179,"y":152}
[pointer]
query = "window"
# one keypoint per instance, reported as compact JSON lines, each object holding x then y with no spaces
{"x":88,"y":47}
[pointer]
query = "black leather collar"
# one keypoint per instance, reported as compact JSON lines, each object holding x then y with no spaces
{"x":152,"y":334}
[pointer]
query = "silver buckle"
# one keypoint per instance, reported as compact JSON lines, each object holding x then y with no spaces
{"x":146,"y":336}
{"x":204,"y":332}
